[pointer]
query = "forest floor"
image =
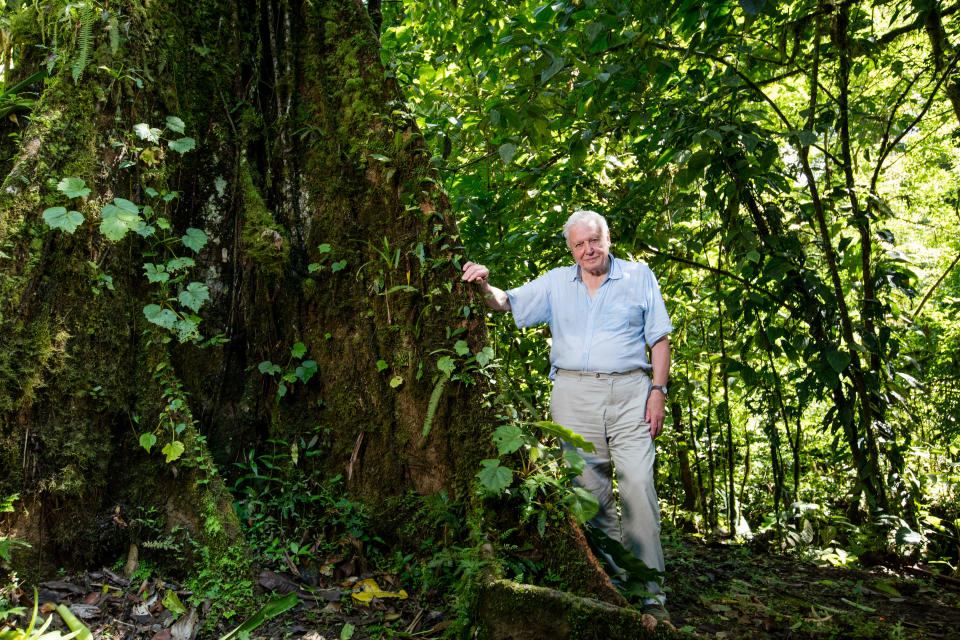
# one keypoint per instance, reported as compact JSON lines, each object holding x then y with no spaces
{"x":716,"y":591}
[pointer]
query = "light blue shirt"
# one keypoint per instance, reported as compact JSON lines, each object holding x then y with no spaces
{"x":608,"y":333}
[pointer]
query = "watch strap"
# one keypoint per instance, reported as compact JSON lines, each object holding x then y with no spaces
{"x":659,"y":387}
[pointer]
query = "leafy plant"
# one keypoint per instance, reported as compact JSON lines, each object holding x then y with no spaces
{"x":543,"y":471}
{"x":297,"y":369}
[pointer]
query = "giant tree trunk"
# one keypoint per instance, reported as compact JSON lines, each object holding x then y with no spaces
{"x":328,"y":242}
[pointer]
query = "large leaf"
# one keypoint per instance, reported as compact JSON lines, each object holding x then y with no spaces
{"x":194,"y":239}
{"x":582,"y":504}
{"x":561,"y":432}
{"x":494,"y":477}
{"x":117,"y":219}
{"x":175,"y":124}
{"x":507,"y":152}
{"x":508,"y":438}
{"x":838,"y":360}
{"x":194,"y":296}
{"x":145,"y":132}
{"x":60,"y":218}
{"x":159,"y":316}
{"x":155,"y":273}
{"x":182,"y":145}
{"x":73,"y":188}
{"x":270,"y":610}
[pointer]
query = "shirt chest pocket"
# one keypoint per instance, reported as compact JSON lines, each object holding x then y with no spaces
{"x":623,"y":315}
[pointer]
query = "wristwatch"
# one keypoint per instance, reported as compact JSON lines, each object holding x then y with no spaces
{"x":661,"y":388}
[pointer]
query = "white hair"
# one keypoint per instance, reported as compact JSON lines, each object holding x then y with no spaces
{"x":585,"y":216}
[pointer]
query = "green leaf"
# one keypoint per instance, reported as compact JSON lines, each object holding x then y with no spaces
{"x":150,"y":191}
{"x":161,"y":317}
{"x":298,"y":350}
{"x":461,"y":348}
{"x":446,"y":365}
{"x":176,"y":264}
{"x":270,"y":610}
{"x":381,"y":365}
{"x":73,"y":188}
{"x":806,"y":138}
{"x":172,"y":602}
{"x":838,"y":360}
{"x":396,"y":381}
{"x":146,"y":132}
{"x":347,"y":631}
{"x":380,"y":157}
{"x":147,"y":440}
{"x":268,"y":368}
{"x":182,"y":145}
{"x":194,"y":296}
{"x":175,"y":124}
{"x":508,"y":438}
{"x":337,"y":266}
{"x":494,"y":477}
{"x":906,"y":535}
{"x":60,"y":218}
{"x":484,"y":356}
{"x":507,"y":151}
{"x":306,"y":370}
{"x":582,"y":504}
{"x":324,"y":248}
{"x":173,"y":450}
{"x":186,"y":328}
{"x":144,"y":230}
{"x":126,"y":206}
{"x":546,"y":12}
{"x":752,"y":7}
{"x":575,"y":462}
{"x":115,"y":221}
{"x":556,"y":64}
{"x":194,"y":239}
{"x":565,"y":435}
{"x":155,"y":273}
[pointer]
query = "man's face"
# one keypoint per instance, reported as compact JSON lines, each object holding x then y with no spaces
{"x":590,"y":247}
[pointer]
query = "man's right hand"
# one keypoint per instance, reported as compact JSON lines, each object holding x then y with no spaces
{"x":493,"y":297}
{"x":477,"y":273}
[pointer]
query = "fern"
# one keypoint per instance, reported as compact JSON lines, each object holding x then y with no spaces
{"x":434,"y":401}
{"x":84,"y":39}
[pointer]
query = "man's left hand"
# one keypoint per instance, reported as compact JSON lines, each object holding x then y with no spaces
{"x":656,"y":411}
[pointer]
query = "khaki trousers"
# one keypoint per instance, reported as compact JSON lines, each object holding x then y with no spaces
{"x":609,"y":410}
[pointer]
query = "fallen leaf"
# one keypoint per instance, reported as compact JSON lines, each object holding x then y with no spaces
{"x":85,"y":611}
{"x":62,"y":586}
{"x":185,"y":627}
{"x":367,"y":590}
{"x":163,"y":634}
{"x":272,"y":581}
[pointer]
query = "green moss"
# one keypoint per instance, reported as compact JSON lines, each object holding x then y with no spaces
{"x":264,"y":238}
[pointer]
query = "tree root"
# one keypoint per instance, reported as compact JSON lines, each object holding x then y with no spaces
{"x":511,"y":611}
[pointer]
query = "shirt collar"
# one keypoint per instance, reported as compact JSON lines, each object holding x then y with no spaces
{"x":615,"y":273}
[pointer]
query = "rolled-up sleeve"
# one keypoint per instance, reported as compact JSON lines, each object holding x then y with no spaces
{"x":530,"y":303}
{"x":657,"y":320}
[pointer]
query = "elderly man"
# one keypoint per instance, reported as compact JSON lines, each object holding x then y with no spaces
{"x":603,"y":313}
